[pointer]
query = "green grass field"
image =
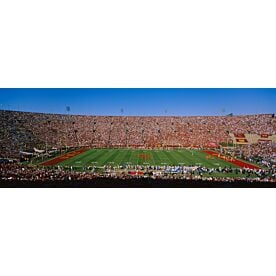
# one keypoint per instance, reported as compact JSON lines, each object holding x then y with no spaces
{"x":101,"y":157}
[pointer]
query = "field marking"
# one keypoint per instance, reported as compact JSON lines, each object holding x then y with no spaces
{"x":129,"y":156}
{"x":235,"y":162}
{"x":63,"y":158}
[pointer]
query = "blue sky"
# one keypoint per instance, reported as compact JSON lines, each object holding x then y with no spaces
{"x":141,"y":101}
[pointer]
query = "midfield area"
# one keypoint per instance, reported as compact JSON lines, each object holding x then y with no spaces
{"x":132,"y":157}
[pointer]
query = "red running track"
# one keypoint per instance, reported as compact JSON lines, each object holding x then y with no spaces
{"x":236,"y":162}
{"x":64,"y":157}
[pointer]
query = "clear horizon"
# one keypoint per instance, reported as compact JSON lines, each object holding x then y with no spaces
{"x":141,"y":102}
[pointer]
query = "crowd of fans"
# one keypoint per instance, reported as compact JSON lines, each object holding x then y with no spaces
{"x":263,"y":153}
{"x":264,"y":149}
{"x":22,"y":131}
{"x":14,"y":172}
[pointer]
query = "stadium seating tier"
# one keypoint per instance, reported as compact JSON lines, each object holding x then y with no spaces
{"x":23,"y":131}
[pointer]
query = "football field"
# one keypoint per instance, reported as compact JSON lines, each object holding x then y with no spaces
{"x":116,"y":157}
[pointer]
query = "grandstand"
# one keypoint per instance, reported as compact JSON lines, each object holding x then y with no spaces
{"x":22,"y":131}
{"x":25,"y":135}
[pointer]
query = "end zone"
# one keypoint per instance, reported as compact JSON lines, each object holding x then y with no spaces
{"x":63,"y":158}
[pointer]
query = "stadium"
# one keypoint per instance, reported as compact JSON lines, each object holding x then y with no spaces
{"x":59,"y":147}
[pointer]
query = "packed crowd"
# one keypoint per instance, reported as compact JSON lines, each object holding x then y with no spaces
{"x":22,"y":131}
{"x":263,"y":149}
{"x":14,"y":172}
{"x":263,"y":153}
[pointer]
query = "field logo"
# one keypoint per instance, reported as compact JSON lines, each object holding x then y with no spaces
{"x":144,"y":156}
